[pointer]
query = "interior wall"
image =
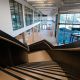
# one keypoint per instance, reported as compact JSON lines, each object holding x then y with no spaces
{"x":71,"y":59}
{"x":6,"y":21}
{"x":5,"y":17}
{"x":11,"y":54}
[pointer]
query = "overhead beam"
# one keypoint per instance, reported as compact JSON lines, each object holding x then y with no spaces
{"x":71,"y":1}
{"x":43,"y":3}
{"x":46,"y":7}
{"x":36,"y":0}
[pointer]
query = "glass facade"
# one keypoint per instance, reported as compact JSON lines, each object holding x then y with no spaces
{"x":36,"y":17}
{"x":46,"y":22}
{"x":69,"y":28}
{"x":39,"y":15}
{"x":28,"y":16}
{"x":16,"y":15}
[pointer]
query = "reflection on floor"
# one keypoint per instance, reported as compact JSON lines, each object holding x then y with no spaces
{"x":43,"y":34}
{"x":46,"y":70}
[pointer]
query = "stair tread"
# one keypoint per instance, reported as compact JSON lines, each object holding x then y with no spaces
{"x":47,"y":70}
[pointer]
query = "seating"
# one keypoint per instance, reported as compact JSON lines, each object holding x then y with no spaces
{"x":75,"y":34}
{"x":74,"y":37}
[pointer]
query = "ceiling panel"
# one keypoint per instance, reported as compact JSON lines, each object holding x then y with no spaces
{"x":48,"y":6}
{"x":71,"y":1}
{"x":70,"y":5}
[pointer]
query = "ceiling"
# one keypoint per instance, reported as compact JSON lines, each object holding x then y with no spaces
{"x":48,"y":7}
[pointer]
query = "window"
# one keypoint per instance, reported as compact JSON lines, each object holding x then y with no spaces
{"x":62,"y":18}
{"x":28,"y":16}
{"x":76,"y":19}
{"x":16,"y":15}
{"x":69,"y":25}
{"x":38,"y":17}
{"x":69,"y":18}
{"x":35,"y":17}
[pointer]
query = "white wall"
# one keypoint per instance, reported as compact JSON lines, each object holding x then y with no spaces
{"x":5,"y":17}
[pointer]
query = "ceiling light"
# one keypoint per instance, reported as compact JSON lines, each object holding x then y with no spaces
{"x":76,"y":3}
{"x":34,"y":0}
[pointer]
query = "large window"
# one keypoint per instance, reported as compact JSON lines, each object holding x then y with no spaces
{"x":39,"y":15}
{"x":35,"y":17}
{"x":28,"y":16}
{"x":16,"y":15}
{"x":69,"y":26}
{"x":44,"y":22}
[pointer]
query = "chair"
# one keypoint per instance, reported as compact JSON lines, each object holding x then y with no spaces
{"x":75,"y":34}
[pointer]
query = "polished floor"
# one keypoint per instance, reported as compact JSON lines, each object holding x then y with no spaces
{"x":39,"y":56}
{"x":46,"y":70}
{"x":43,"y":34}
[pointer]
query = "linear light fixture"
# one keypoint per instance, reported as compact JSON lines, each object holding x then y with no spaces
{"x":36,"y":0}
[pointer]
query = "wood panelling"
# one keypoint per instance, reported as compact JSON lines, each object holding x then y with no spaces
{"x":11,"y":54}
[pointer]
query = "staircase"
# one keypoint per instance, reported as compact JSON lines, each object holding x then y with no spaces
{"x":38,"y":61}
{"x":46,"y":70}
